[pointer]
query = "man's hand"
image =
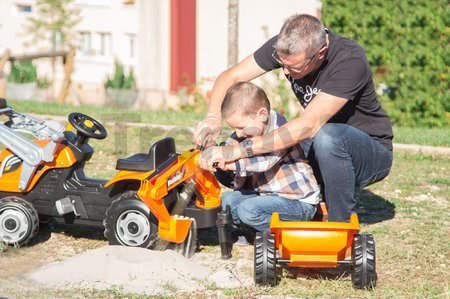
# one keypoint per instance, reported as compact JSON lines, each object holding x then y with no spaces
{"x":207,"y":131}
{"x":217,"y":156}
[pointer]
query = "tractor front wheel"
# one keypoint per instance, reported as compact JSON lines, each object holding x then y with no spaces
{"x":129,"y":222}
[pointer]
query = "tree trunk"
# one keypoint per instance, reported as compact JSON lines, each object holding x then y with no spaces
{"x":233,"y":34}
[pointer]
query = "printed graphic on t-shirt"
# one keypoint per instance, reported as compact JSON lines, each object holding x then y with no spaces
{"x":304,"y":94}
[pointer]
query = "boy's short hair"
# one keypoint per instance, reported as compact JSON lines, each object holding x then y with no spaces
{"x":244,"y":97}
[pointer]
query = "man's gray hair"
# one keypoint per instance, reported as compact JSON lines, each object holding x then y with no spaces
{"x":301,"y":32}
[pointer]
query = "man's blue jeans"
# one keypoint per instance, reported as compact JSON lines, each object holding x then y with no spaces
{"x":254,"y":210}
{"x":346,"y":158}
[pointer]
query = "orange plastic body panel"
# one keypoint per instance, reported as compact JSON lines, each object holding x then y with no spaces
{"x":9,"y":181}
{"x":125,"y":175}
{"x":152,"y":192}
{"x":313,"y":243}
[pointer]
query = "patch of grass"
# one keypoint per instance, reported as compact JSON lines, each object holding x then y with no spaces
{"x":170,"y":287}
{"x":3,"y":247}
{"x":181,"y":118}
{"x":441,"y":181}
{"x":422,"y":136}
{"x":231,"y":292}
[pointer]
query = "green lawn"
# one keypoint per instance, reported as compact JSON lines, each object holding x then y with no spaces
{"x":423,"y":136}
{"x":109,"y":113}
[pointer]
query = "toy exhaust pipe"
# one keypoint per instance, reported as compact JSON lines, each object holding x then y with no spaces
{"x":223,"y":221}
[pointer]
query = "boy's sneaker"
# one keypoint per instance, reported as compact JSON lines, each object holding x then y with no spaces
{"x":239,"y":238}
{"x":241,"y":241}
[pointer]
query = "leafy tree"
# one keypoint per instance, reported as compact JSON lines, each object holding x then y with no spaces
{"x":406,"y":42}
{"x":53,"y":22}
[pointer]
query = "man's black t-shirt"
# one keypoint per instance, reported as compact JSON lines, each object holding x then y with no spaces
{"x":345,"y":73}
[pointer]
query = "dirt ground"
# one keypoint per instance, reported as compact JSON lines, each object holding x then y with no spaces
{"x":42,"y":267}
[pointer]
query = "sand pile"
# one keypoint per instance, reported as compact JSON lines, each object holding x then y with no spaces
{"x":134,"y":270}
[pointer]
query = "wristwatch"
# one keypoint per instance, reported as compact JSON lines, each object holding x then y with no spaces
{"x":247,"y":145}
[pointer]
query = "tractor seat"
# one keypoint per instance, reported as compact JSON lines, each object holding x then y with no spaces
{"x":158,"y":153}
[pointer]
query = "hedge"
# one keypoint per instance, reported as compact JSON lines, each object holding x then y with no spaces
{"x":407,"y":44}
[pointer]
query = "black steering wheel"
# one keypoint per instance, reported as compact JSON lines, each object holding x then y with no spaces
{"x":87,"y":126}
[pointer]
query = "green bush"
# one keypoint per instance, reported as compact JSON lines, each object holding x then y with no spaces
{"x":43,"y":82}
{"x":406,"y":42}
{"x":22,"y":72}
{"x":120,"y":80}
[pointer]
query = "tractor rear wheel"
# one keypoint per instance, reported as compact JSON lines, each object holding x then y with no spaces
{"x":364,"y":275}
{"x":265,"y":264}
{"x":19,"y":221}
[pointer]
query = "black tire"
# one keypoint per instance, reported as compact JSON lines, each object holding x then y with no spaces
{"x":19,"y":221}
{"x":364,"y":275}
{"x":129,"y":222}
{"x":265,"y":266}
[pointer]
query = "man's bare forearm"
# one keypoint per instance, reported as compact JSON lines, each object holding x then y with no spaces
{"x":284,"y":137}
{"x":223,"y":82}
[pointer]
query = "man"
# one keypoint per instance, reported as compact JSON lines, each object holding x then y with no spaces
{"x":343,"y":128}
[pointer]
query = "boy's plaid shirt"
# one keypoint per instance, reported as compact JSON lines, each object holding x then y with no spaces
{"x":285,"y":173}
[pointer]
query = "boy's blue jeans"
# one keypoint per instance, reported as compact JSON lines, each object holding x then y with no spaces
{"x":346,"y":158}
{"x":254,"y":210}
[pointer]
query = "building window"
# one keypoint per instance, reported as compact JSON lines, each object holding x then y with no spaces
{"x":85,"y":43}
{"x":131,"y":42}
{"x":105,"y":44}
{"x":23,"y":8}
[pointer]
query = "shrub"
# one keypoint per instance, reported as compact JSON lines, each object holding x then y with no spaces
{"x":406,"y":44}
{"x":120,"y":80}
{"x":22,"y":72}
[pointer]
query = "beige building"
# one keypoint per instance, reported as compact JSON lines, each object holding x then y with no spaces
{"x":164,"y":41}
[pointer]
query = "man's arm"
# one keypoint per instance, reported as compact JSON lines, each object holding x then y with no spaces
{"x":245,"y":70}
{"x":316,"y":114}
{"x":260,"y":163}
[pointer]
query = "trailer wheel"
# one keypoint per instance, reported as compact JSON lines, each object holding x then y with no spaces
{"x":265,"y":259}
{"x":19,"y":221}
{"x":129,"y":222}
{"x":364,"y":275}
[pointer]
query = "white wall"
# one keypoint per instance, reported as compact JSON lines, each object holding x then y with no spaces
{"x":107,"y":17}
{"x":212,"y":28}
{"x":152,"y":53}
{"x":11,"y":32}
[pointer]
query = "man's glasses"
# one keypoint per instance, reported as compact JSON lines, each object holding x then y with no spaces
{"x":294,"y":69}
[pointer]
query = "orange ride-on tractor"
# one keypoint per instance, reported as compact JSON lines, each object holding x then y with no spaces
{"x":155,"y":200}
{"x":315,"y":244}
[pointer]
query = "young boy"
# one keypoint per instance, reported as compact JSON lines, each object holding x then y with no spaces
{"x":280,"y":181}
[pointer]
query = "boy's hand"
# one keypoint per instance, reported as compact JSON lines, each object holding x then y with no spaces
{"x":219,"y":154}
